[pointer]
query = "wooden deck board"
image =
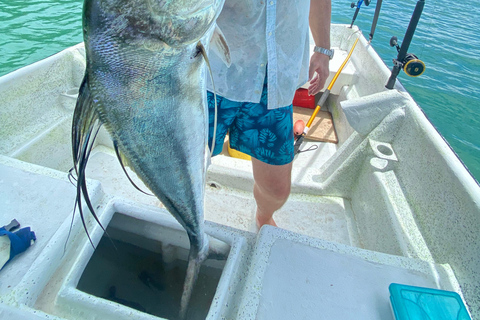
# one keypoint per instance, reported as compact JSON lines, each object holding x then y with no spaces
{"x":322,"y":128}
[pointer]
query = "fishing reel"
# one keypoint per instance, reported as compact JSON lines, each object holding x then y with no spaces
{"x":412,"y":66}
{"x":359,"y":3}
{"x":409,"y":62}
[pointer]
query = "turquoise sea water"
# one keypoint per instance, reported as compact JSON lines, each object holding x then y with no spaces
{"x":446,"y":40}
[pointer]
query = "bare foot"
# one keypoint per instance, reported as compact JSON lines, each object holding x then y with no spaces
{"x":261,"y":222}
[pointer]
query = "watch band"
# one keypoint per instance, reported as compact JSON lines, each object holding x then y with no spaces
{"x":327,"y":52}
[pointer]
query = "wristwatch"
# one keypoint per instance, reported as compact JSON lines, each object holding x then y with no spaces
{"x":328,"y":52}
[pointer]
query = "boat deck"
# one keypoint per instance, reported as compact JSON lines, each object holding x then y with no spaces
{"x":328,"y":218}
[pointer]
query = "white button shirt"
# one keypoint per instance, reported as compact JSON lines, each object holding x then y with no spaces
{"x":263,"y":34}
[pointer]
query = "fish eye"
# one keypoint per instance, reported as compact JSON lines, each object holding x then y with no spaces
{"x":199,"y":49}
{"x":197,"y":52}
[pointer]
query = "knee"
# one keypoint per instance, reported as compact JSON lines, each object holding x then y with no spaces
{"x":277,"y":190}
{"x":272,"y":182}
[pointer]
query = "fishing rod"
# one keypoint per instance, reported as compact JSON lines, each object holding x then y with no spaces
{"x":375,"y":19}
{"x":298,"y":143}
{"x":409,"y":62}
{"x":358,"y":5}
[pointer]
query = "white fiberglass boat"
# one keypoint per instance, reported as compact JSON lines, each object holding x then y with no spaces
{"x":389,"y":202}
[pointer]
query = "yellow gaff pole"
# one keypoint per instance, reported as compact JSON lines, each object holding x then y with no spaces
{"x":324,"y":97}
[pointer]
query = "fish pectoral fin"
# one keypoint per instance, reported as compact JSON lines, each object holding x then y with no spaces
{"x":219,"y":45}
{"x":201,"y":49}
{"x":208,"y":157}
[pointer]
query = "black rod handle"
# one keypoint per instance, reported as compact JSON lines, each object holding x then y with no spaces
{"x":393,"y":77}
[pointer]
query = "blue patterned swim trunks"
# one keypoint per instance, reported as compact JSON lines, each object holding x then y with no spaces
{"x":266,"y":135}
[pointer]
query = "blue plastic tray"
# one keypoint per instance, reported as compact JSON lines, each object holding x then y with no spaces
{"x":416,"y":303}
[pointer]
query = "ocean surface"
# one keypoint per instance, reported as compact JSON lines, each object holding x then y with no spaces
{"x":446,"y":40}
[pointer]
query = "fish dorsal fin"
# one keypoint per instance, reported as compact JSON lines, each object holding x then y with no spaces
{"x":85,"y":127}
{"x":219,"y":45}
{"x":123,"y":162}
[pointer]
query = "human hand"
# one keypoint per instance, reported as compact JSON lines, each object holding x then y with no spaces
{"x":319,"y":64}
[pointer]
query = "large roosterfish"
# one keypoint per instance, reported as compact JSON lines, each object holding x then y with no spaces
{"x":145,"y":82}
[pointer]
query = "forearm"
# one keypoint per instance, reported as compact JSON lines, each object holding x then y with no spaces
{"x":319,"y":19}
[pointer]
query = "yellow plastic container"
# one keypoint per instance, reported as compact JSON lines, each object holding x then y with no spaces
{"x":237,"y":154}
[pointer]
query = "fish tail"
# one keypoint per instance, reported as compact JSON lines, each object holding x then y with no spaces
{"x":85,"y":127}
{"x":195,"y":259}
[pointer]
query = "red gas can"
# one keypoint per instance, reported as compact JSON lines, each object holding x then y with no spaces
{"x":302,"y":99}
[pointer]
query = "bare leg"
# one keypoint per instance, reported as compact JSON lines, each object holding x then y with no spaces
{"x":271,"y":189}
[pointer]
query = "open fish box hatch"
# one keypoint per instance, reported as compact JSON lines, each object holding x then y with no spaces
{"x":137,"y":268}
{"x":131,"y":266}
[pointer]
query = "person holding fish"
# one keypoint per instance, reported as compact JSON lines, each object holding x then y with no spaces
{"x":270,"y":59}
